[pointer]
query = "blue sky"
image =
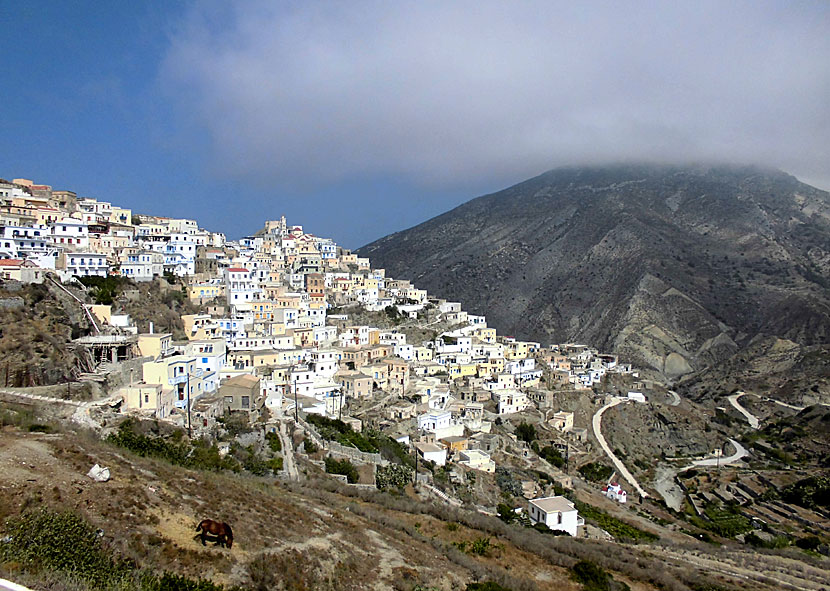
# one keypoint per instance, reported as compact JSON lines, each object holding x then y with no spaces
{"x":359,"y":119}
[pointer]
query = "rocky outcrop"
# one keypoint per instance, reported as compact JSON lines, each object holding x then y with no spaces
{"x":674,"y":268}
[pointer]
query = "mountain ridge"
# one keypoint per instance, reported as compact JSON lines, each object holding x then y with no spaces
{"x":675,"y":267}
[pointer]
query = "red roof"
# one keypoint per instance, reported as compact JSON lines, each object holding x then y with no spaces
{"x":10,"y":262}
{"x":238,"y":270}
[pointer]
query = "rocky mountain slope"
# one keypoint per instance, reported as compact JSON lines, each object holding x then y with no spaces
{"x":675,"y":268}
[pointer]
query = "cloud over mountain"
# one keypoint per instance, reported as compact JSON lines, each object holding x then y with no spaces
{"x":310,"y":93}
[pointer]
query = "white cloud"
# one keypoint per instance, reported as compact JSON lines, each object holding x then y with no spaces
{"x":442,"y":93}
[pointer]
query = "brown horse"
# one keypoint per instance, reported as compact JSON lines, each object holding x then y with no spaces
{"x":220,"y":531}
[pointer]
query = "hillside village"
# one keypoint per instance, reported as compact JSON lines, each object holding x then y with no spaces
{"x":279,"y":338}
{"x":301,"y":347}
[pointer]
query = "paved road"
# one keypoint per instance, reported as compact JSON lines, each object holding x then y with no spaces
{"x":784,"y":404}
{"x":596,"y":422}
{"x":740,"y":453}
{"x":289,"y":464}
{"x":751,"y":419}
{"x":10,"y":586}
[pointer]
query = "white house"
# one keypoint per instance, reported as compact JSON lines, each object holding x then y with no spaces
{"x":71,"y":233}
{"x":615,"y":492}
{"x":84,"y":264}
{"x":22,"y":241}
{"x":477,"y":460}
{"x":555,"y":512}
{"x":512,"y":401}
{"x":145,"y":265}
{"x":432,"y":453}
{"x":434,"y":421}
{"x":637,"y":396}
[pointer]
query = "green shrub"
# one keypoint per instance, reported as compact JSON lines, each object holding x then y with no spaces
{"x":552,"y":456}
{"x":592,"y":576}
{"x":621,"y":530}
{"x":65,"y":543}
{"x":61,"y":542}
{"x":344,"y":467}
{"x":596,"y":472}
{"x":486,"y":586}
{"x":808,"y":543}
{"x":174,"y":582}
{"x":526,"y":432}
{"x":197,"y":454}
{"x":725,"y":521}
{"x":812,"y":492}
{"x":309,"y":446}
{"x":273,"y":440}
{"x":505,"y":512}
{"x":480,"y":546}
{"x":392,"y":476}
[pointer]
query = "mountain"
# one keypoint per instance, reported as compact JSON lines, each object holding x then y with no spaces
{"x":672,"y":267}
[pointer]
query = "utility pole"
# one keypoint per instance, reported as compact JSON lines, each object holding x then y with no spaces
{"x":189,"y":432}
{"x":415,"y":475}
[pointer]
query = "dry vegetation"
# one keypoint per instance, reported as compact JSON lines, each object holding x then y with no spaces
{"x":323,"y":535}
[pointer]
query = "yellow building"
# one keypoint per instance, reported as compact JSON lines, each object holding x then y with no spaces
{"x":486,"y":335}
{"x":155,"y":344}
{"x":119,"y":215}
{"x":460,"y":370}
{"x":515,"y":350}
{"x":204,"y":292}
{"x":154,"y":399}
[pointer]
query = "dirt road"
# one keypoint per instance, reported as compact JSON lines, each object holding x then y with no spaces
{"x":623,"y":471}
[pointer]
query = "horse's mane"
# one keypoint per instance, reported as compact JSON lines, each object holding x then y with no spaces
{"x":228,"y":527}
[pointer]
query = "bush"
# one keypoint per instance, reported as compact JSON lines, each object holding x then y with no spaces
{"x":808,"y":543}
{"x":198,"y":454}
{"x":65,"y":543}
{"x":104,"y":289}
{"x":552,"y":456}
{"x":61,"y":542}
{"x":592,"y":576}
{"x":486,"y":586}
{"x":595,"y":471}
{"x":725,"y":521}
{"x":309,"y":446}
{"x":506,"y":513}
{"x":344,"y":467}
{"x":526,"y":432}
{"x":273,"y":441}
{"x":621,"y":530}
{"x":174,"y":582}
{"x":812,"y":492}
{"x":392,"y":476}
{"x":480,"y":546}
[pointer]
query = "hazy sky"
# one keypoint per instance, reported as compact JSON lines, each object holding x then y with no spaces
{"x":357,"y":119}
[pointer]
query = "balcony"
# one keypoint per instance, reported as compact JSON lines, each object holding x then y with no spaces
{"x":180,"y":379}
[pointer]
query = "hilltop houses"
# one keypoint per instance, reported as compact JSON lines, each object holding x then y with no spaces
{"x":290,"y":324}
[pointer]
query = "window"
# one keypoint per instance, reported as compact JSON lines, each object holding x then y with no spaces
{"x":146,"y":398}
{"x":246,"y":402}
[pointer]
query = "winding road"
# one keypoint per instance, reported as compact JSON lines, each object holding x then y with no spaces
{"x":596,"y":423}
{"x":740,"y":453}
{"x":675,"y":398}
{"x":751,"y":419}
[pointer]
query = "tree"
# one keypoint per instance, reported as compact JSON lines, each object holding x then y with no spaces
{"x":506,"y":513}
{"x":526,"y":432}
